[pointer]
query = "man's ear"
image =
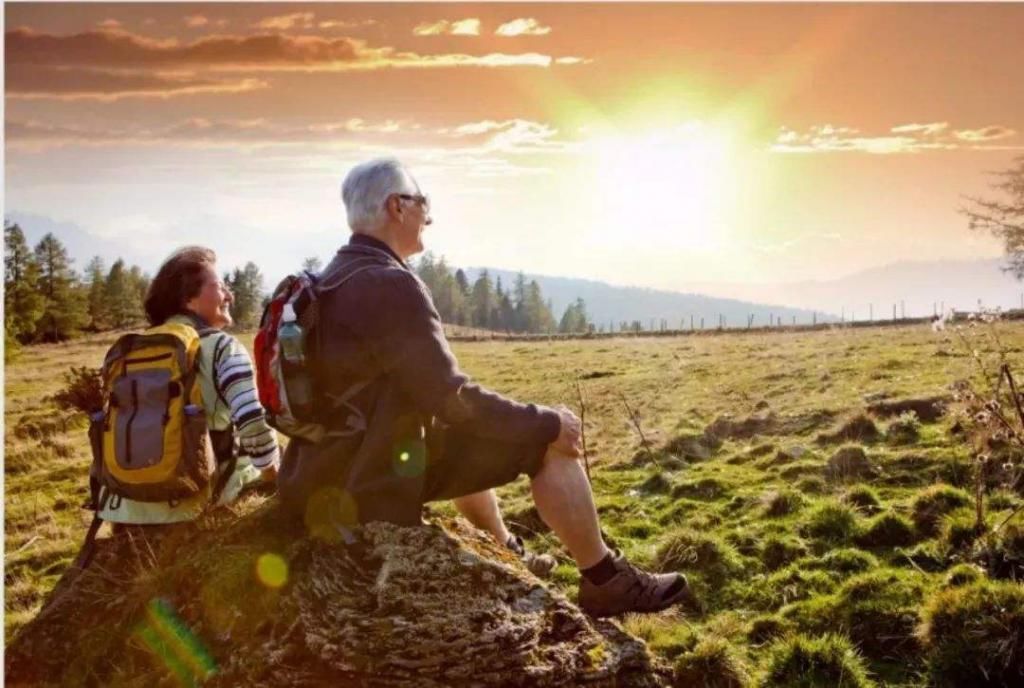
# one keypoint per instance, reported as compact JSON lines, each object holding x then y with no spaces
{"x":394,"y":206}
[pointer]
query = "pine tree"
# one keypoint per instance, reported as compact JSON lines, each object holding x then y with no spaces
{"x":312,"y":264}
{"x":23,"y":304}
{"x":482,"y":300}
{"x":120,"y":296}
{"x":575,"y":318}
{"x":65,"y":308}
{"x":246,"y":285}
{"x":96,"y":303}
{"x":140,"y":285}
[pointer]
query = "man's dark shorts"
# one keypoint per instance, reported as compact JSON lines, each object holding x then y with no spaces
{"x":460,"y":464}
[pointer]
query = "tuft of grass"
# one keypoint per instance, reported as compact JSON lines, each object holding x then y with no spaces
{"x":812,"y":485}
{"x":863,"y":498}
{"x":887,"y":530}
{"x":963,"y":574}
{"x":859,"y":428}
{"x":703,"y":489}
{"x":879,"y":611}
{"x":804,"y":662}
{"x":973,"y":635}
{"x":960,"y":530}
{"x":934,"y":502}
{"x":848,"y":464}
{"x":832,"y":522}
{"x":766,"y":628}
{"x":1003,"y":552}
{"x":695,"y":551}
{"x":846,"y":561}
{"x":713,"y":663}
{"x":782,"y":503}
{"x":781,"y":550}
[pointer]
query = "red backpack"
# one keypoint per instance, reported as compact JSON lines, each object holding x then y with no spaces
{"x":273,"y":373}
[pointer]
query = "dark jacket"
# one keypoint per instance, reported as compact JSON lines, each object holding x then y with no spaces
{"x":381,"y":325}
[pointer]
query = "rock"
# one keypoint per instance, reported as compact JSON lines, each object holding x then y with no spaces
{"x":849,"y":464}
{"x":928,"y":409}
{"x":415,"y":606}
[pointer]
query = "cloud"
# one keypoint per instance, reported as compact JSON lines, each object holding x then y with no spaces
{"x":927,"y":129}
{"x":459,"y":27}
{"x":121,"y":51}
{"x":284,"y":22}
{"x":523,"y":27}
{"x":509,"y":136}
{"x":342,"y":24}
{"x":569,"y":60}
{"x":904,"y":138}
{"x":109,"y":24}
{"x":993,"y":133}
{"x":194,"y":21}
{"x":31,"y":83}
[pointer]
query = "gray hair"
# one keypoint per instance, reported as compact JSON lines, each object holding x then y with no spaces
{"x":366,"y":189}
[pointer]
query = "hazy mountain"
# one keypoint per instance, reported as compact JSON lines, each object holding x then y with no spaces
{"x":607,"y":303}
{"x":920,"y":285}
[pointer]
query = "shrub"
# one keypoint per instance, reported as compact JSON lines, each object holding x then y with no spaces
{"x":782,"y":502}
{"x":933,"y":503}
{"x":713,"y":663}
{"x":832,"y":522}
{"x":863,"y":499}
{"x":694,"y":551}
{"x":781,"y":550}
{"x":802,"y":662}
{"x":963,"y":574}
{"x":974,"y":635}
{"x":887,"y":530}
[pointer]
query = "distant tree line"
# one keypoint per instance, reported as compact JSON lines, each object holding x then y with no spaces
{"x":488,"y":304}
{"x":47,"y":300}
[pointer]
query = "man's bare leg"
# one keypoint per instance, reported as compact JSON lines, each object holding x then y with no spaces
{"x":481,"y":509}
{"x":563,"y":498}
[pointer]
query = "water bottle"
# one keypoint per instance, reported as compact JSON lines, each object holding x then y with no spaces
{"x":297,"y":385}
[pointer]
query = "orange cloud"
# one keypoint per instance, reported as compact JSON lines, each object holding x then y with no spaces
{"x":905,"y":138}
{"x":284,"y":22}
{"x":523,"y":27}
{"x":195,"y":21}
{"x":109,"y":24}
{"x":458,"y":27}
{"x":30,"y":83}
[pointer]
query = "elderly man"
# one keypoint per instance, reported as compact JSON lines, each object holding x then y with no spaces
{"x":431,"y":433}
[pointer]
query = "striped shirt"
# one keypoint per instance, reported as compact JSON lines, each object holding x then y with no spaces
{"x":228,"y":379}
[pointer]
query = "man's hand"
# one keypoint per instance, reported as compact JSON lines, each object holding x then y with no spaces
{"x":568,"y":441}
{"x":269,"y":475}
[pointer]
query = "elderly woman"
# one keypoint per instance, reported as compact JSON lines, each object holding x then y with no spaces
{"x":187,"y":290}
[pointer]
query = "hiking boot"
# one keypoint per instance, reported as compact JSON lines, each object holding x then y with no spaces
{"x":540,"y":565}
{"x":634,"y":590}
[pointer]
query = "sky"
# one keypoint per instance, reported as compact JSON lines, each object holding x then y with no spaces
{"x":654,"y":145}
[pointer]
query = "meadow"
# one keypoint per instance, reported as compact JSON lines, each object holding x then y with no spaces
{"x":825,"y":526}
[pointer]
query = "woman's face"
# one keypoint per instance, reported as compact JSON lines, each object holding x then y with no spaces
{"x":213,"y":302}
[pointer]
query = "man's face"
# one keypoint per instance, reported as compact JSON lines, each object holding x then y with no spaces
{"x":415,"y":217}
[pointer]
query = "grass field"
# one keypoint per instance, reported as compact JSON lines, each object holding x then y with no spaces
{"x":785,"y":543}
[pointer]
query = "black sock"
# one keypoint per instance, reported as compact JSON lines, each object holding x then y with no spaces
{"x":601,"y":572}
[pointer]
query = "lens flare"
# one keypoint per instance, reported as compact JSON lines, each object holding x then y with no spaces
{"x":170,"y":639}
{"x":272,"y":570}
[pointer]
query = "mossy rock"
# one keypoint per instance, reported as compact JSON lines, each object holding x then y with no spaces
{"x":934,"y":502}
{"x":256,"y":601}
{"x":713,"y":663}
{"x":973,"y":635}
{"x":804,"y":662}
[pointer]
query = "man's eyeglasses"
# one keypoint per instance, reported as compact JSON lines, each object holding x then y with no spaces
{"x":418,"y":198}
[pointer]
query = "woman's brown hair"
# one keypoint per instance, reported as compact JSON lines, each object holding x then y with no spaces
{"x":178,"y":281}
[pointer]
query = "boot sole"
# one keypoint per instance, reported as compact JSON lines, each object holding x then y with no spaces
{"x":675,"y":599}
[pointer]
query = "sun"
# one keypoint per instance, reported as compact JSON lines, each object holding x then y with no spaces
{"x":669,"y":185}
